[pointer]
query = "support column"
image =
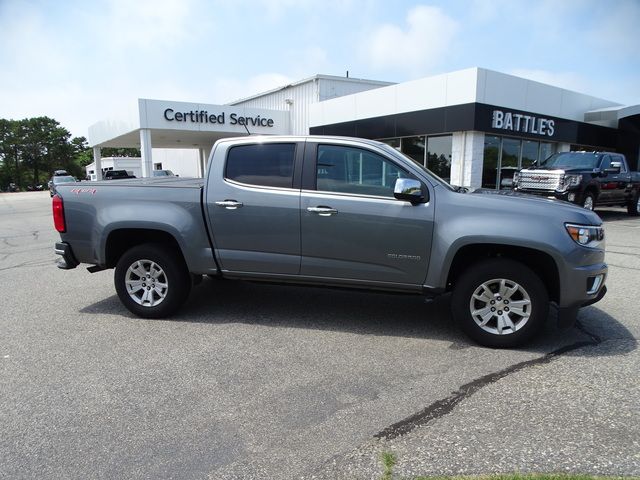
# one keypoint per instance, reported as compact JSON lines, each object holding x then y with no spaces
{"x":97,"y":159}
{"x":145,"y":150}
{"x":202,"y":162}
{"x":467,"y":156}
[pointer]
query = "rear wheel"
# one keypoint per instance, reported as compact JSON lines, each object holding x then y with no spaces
{"x":500,"y":303}
{"x":633,"y":207}
{"x":152,"y":281}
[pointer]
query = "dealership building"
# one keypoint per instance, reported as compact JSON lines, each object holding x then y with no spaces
{"x":472,"y":127}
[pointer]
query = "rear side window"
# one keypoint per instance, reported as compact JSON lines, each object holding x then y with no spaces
{"x":267,"y":165}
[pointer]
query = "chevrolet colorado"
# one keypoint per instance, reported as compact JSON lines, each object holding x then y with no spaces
{"x":339,"y":212}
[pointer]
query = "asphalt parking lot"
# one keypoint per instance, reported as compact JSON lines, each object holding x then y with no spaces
{"x":259,"y":381}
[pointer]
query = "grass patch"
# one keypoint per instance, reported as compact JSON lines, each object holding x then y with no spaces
{"x":388,"y":461}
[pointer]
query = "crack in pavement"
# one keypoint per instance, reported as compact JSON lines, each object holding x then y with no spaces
{"x":446,"y":405}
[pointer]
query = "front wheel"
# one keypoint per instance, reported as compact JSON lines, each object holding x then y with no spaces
{"x":633,"y":207}
{"x":500,"y":303}
{"x":152,"y":281}
{"x":589,"y":201}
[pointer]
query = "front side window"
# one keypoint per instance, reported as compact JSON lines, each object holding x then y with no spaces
{"x":353,"y":170}
{"x":263,"y":164}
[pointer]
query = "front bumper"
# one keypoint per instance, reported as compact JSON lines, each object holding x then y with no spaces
{"x":582,"y":286}
{"x":68,"y":260}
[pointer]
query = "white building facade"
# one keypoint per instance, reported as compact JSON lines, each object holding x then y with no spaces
{"x":472,"y":127}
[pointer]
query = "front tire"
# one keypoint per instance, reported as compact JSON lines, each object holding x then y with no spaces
{"x":500,"y":303}
{"x":589,"y":201}
{"x":152,"y":281}
{"x":633,"y":207}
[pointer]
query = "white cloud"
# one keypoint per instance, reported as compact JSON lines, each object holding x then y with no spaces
{"x":146,"y":23}
{"x":421,"y":45}
{"x":616,"y":33}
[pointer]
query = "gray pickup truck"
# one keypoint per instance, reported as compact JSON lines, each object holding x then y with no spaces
{"x":339,"y":212}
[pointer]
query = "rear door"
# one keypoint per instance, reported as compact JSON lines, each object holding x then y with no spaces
{"x":253,"y":202}
{"x":353,"y":229}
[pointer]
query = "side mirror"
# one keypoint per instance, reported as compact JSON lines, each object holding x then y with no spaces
{"x":409,"y":190}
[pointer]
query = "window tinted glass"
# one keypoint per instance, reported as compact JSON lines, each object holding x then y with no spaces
{"x":439,"y":156}
{"x":269,"y":165}
{"x":352,"y":170}
{"x":618,"y":158}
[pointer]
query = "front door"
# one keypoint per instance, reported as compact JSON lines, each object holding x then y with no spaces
{"x":352,"y":226}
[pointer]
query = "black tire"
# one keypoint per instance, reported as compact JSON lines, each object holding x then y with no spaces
{"x":161,"y":301}
{"x":633,"y":207}
{"x":589,"y":199}
{"x":481,"y":278}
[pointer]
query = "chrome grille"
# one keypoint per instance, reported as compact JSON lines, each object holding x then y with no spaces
{"x":540,"y":180}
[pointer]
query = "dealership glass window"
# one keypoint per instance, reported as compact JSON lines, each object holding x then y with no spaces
{"x":529,"y":153}
{"x":490,"y":162}
{"x":546,"y":150}
{"x":392,"y":142}
{"x":505,"y":155}
{"x":509,"y":161}
{"x":414,"y":147}
{"x":357,"y":171}
{"x":269,"y":165}
{"x":439,"y":156}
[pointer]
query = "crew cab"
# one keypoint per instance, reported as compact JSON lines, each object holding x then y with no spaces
{"x":590,"y":179}
{"x":338,"y":212}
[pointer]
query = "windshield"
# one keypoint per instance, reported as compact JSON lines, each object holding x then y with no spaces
{"x":63,"y":179}
{"x":395,"y":152}
{"x":571,"y":160}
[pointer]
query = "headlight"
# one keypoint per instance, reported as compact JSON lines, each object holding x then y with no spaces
{"x":572,"y":180}
{"x":586,"y":235}
{"x":515,"y":179}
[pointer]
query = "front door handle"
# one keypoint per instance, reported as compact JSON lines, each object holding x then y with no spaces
{"x":229,"y":204}
{"x":322,"y":211}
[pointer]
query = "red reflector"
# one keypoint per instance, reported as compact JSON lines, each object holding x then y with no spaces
{"x":58,"y":214}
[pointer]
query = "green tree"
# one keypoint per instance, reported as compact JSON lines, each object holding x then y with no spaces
{"x":120,"y":152}
{"x":32,"y":148}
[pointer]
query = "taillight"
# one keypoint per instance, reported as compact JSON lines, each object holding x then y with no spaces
{"x":58,"y":214}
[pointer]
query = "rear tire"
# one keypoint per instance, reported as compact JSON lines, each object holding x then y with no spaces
{"x":633,"y":207}
{"x":152,"y":281}
{"x":500,"y":303}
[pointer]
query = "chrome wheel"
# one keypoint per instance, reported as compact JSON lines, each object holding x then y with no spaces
{"x":500,"y":306}
{"x":588,"y":202}
{"x":146,"y":283}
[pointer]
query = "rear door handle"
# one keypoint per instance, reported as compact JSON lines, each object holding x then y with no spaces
{"x":322,"y":211}
{"x":229,"y":204}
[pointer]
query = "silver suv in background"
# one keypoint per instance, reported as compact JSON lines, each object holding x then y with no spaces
{"x":57,"y":180}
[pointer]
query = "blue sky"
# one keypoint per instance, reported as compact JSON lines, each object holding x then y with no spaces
{"x":83,"y":61}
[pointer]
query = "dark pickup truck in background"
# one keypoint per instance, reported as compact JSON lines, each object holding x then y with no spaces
{"x":117,"y":174}
{"x":589,"y":179}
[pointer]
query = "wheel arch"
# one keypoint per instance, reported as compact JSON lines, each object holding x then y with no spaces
{"x":120,"y":240}
{"x":541,"y":263}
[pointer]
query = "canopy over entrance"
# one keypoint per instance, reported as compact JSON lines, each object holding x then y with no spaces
{"x":168,"y":124}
